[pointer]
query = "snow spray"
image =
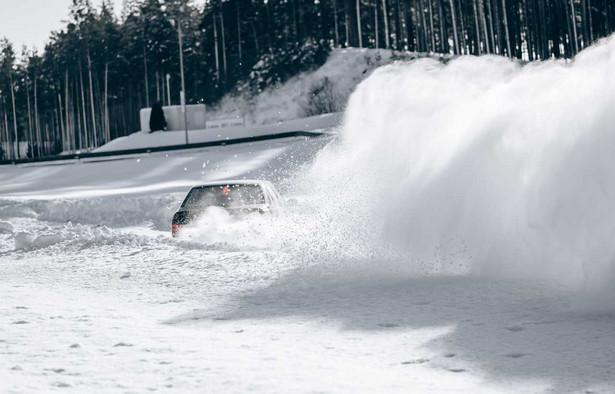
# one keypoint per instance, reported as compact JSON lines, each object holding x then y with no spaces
{"x":503,"y":168}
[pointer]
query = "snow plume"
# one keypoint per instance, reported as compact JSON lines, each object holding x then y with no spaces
{"x":219,"y":229}
{"x":502,"y":168}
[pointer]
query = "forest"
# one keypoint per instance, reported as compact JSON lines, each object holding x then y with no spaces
{"x":87,"y":85}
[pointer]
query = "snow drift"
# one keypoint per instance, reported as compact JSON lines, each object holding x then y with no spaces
{"x":483,"y":162}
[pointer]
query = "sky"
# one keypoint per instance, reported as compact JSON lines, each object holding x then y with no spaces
{"x":30,"y":22}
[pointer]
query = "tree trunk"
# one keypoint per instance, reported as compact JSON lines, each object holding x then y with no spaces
{"x":454,"y":20}
{"x":145,"y":78}
{"x":492,"y":34}
{"x":256,"y":45}
{"x":83,"y":108}
{"x":29,"y":118}
{"x":11,"y":147}
{"x":566,"y":15}
{"x":584,"y":27}
{"x":527,"y":32}
{"x":107,"y":126}
{"x":431,"y":29}
{"x":60,"y":117}
{"x":399,"y":33}
{"x":157,"y":78}
{"x":387,"y":35}
{"x":93,"y":108}
{"x":222,"y":33}
{"x":538,"y":30}
{"x":479,"y":49}
{"x":66,"y":117}
{"x":358,"y":3}
{"x":46,"y":137}
{"x":5,"y":134}
{"x":337,"y":36}
{"x":14,"y":114}
{"x":463,"y":44}
{"x":497,"y":35}
{"x":590,"y":21}
{"x":412,"y":30}
{"x":239,"y":36}
{"x":481,"y":10}
{"x":574,"y":27}
{"x":293,"y":9}
{"x":216,"y":50}
{"x":376,"y":24}
{"x":607,"y":21}
{"x":347,"y":26}
{"x":443,"y":31}
{"x":505,"y":20}
{"x":423,"y":27}
{"x":76,"y":115}
{"x":36,"y":118}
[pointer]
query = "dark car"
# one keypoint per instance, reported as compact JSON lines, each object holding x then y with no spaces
{"x":237,"y":197}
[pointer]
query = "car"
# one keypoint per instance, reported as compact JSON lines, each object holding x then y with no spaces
{"x":238,"y":197}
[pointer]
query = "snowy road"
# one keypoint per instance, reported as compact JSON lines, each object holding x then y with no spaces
{"x":149,"y":313}
{"x":126,"y":308}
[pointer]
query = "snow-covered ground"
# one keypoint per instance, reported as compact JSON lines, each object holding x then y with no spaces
{"x":456,"y":236}
{"x":317,"y":124}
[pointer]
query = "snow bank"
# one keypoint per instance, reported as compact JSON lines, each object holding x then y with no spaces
{"x":114,"y":211}
{"x":25,"y":240}
{"x":168,"y":138}
{"x":504,"y":168}
{"x":15,"y":209}
{"x":77,"y":236}
{"x":344,"y":69}
{"x":6,"y":227}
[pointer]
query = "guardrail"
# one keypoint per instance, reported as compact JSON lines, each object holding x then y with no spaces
{"x":162,"y":148}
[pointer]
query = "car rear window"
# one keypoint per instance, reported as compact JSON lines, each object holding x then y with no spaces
{"x":227,"y":196}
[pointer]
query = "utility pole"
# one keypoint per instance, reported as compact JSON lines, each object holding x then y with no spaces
{"x":169,"y":89}
{"x":181,"y":66}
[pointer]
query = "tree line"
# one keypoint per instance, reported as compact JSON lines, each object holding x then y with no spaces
{"x":89,"y":82}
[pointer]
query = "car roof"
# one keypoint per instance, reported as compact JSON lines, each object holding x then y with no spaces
{"x":233,"y":182}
